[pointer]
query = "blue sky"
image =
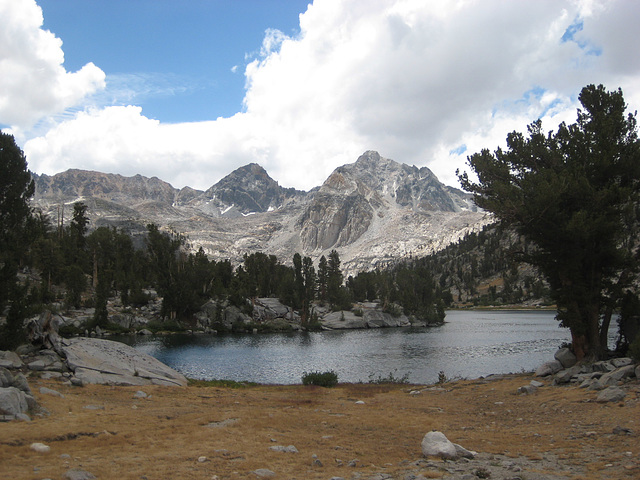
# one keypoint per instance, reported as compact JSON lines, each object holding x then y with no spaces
{"x":189,"y":91}
{"x":179,"y":55}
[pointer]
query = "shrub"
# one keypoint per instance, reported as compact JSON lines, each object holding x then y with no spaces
{"x":391,"y":378}
{"x":325,"y":379}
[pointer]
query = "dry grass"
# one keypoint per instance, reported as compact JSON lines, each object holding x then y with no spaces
{"x":164,"y":436}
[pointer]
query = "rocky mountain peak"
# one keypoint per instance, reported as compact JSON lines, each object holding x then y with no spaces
{"x":248,"y":189}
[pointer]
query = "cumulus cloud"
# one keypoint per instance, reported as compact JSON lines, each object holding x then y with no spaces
{"x":425,"y":83}
{"x":34,"y":82}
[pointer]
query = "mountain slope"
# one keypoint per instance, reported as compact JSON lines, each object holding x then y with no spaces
{"x":374,"y":212}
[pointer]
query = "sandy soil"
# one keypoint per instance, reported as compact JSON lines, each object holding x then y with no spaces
{"x":209,"y":433}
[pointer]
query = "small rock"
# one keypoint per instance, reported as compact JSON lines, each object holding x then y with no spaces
{"x":264,"y":472}
{"x":76,"y":382}
{"x":77,"y":474}
{"x":618,"y":430}
{"x":536,"y":383}
{"x":280,"y":448}
{"x":611,"y":394}
{"x":140,"y":394}
{"x":21,"y":383}
{"x":40,"y":447}
{"x":527,"y":390}
{"x":202,"y":459}
{"x":48,"y":391}
{"x":359,"y":402}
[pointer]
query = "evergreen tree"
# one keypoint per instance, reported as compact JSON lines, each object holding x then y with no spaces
{"x":574,"y":194}
{"x":16,"y":188}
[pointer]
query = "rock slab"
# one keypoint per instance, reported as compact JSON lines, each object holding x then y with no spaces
{"x":106,"y":362}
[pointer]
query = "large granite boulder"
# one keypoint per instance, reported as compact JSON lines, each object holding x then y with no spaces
{"x":342,"y":320}
{"x":13,"y":402}
{"x":106,"y":362}
{"x":566,"y":357}
{"x":379,"y":319}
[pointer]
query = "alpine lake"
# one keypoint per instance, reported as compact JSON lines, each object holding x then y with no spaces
{"x":470,"y":344}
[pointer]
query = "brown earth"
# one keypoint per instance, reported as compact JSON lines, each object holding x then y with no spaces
{"x":224,"y":433}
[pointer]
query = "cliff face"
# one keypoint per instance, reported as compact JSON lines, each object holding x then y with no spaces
{"x":374,"y":211}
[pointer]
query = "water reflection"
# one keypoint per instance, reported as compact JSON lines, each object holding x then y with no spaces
{"x":470,"y":344}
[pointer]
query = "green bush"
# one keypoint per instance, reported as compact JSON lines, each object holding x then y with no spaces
{"x":325,"y":379}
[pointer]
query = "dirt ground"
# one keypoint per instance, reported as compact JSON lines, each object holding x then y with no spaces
{"x":224,"y":433}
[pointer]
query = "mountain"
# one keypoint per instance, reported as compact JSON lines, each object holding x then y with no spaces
{"x":374,"y":212}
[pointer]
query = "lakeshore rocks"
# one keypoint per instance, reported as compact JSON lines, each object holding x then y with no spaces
{"x":611,"y":394}
{"x":548,"y":368}
{"x":566,"y":357}
{"x":103,"y":361}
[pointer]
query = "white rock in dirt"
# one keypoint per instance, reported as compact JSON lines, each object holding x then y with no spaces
{"x":40,"y":447}
{"x":436,"y":444}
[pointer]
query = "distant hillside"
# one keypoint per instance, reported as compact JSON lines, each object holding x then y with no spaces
{"x":374,"y":212}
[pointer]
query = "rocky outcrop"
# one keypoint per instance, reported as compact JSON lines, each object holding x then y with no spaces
{"x":102,"y":361}
{"x":16,"y":399}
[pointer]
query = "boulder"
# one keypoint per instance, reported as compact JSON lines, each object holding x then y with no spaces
{"x":12,"y":402}
{"x":527,"y":390}
{"x":10,"y":359}
{"x":548,"y":368}
{"x":21,"y":383}
{"x":565,"y":376}
{"x":621,"y":362}
{"x":566,"y":357}
{"x":436,"y":444}
{"x":611,"y":394}
{"x":612,"y":378}
{"x":103,"y":361}
{"x":6,"y":379}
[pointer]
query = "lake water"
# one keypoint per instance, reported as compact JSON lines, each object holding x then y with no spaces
{"x":469,"y":345}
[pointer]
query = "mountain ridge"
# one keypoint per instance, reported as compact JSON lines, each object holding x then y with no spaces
{"x":373,"y":212}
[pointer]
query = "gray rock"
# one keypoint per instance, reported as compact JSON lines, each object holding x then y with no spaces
{"x":612,"y":378}
{"x":6,"y":378}
{"x":280,"y":448}
{"x":603,"y":366}
{"x":49,"y":391}
{"x":342,"y":320}
{"x":380,"y":319}
{"x":611,"y":394}
{"x":527,"y":390}
{"x":78,"y":474}
{"x":565,"y":357}
{"x":106,"y":362}
{"x":462,"y":452}
{"x":565,"y":376}
{"x":144,"y":331}
{"x":621,"y":362}
{"x":637,"y":371}
{"x":12,"y":401}
{"x":10,"y":359}
{"x":264,"y":472}
{"x":548,"y":368}
{"x":436,"y":444}
{"x":21,"y":383}
{"x":37,"y":365}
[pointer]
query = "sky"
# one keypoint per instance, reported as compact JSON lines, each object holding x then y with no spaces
{"x":188,"y":91}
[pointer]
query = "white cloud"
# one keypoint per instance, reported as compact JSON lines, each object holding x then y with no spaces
{"x":33,"y":82}
{"x":417,"y":81}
